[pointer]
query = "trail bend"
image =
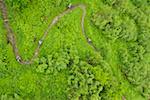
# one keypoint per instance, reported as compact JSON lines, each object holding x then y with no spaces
{"x":11,"y":36}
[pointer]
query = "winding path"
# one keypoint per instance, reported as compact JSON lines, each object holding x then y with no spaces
{"x":11,"y":35}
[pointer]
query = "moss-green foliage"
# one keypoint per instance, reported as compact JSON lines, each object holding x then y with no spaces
{"x":67,"y":66}
{"x":127,"y":23}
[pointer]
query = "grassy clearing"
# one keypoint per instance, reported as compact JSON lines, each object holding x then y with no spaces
{"x":67,"y":67}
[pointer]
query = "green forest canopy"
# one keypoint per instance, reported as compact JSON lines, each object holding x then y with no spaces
{"x":67,"y":67}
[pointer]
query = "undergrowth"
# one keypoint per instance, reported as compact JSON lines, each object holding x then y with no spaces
{"x":67,"y":67}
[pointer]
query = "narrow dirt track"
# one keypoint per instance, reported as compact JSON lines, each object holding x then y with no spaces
{"x":11,"y":35}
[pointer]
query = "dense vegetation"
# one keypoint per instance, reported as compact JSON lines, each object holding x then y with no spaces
{"x":67,"y":67}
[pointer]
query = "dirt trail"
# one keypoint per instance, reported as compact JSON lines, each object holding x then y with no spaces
{"x":11,"y":36}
